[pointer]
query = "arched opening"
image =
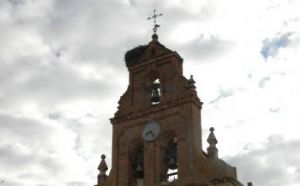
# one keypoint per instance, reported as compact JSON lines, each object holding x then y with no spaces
{"x":155,"y":92}
{"x":170,"y":172}
{"x":137,"y":166}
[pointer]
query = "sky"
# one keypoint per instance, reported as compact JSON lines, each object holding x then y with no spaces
{"x":62,"y":72}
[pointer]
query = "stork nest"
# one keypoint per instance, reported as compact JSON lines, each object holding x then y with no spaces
{"x":132,"y":56}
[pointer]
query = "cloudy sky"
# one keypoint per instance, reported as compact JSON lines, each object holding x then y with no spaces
{"x":62,"y":72}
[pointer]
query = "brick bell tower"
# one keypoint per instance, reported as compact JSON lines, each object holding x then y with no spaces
{"x":157,"y":138}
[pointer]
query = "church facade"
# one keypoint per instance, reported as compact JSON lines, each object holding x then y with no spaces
{"x":157,"y":137}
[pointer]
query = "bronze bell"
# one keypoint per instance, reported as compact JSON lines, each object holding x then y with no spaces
{"x":155,"y":99}
{"x":138,"y":172}
{"x":172,"y":163}
{"x":155,"y":93}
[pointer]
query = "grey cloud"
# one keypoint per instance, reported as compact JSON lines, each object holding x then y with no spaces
{"x":205,"y":48}
{"x":90,"y":41}
{"x":172,"y":17}
{"x":270,"y":164}
{"x":49,"y":77}
{"x":25,"y":130}
{"x":249,"y":75}
{"x":76,"y":184}
{"x":263,"y":81}
{"x":90,"y":135}
{"x":271,"y":46}
{"x":10,"y":183}
{"x":275,"y":110}
{"x":12,"y":159}
{"x":178,"y":13}
{"x":282,"y":74}
{"x":222,"y":94}
{"x":83,"y":30}
{"x":291,"y":21}
{"x":55,"y":82}
{"x":16,"y":2}
{"x":54,"y":116}
{"x":27,"y":145}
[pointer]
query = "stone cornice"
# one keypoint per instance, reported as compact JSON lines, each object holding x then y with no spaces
{"x":175,"y":103}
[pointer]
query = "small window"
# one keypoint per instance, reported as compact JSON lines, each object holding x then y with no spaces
{"x":155,"y":92}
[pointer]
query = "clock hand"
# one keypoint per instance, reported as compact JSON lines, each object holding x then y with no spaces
{"x":150,"y":132}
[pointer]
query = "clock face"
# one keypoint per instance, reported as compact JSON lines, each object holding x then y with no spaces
{"x":151,"y":131}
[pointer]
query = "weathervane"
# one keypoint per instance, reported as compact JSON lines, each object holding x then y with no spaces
{"x":154,"y":17}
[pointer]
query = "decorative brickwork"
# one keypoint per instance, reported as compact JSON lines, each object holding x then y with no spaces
{"x":138,"y":159}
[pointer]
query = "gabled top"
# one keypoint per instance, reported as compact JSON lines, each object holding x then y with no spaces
{"x":143,"y":53}
{"x":156,"y":82}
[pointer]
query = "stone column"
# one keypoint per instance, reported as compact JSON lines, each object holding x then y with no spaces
{"x":149,"y":165}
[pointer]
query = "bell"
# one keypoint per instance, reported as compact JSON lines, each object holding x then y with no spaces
{"x":155,"y":93}
{"x":155,"y":99}
{"x":172,"y":163}
{"x":138,"y":172}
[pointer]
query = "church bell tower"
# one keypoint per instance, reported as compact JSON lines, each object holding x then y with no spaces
{"x":157,"y":137}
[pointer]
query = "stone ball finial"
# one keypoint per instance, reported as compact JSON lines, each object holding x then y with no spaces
{"x":155,"y":37}
{"x":212,"y":150}
{"x":102,"y":166}
{"x":212,"y":140}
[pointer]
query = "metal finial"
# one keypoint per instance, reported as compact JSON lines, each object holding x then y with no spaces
{"x":154,"y":17}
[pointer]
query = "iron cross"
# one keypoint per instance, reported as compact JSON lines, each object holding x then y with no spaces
{"x":154,"y":17}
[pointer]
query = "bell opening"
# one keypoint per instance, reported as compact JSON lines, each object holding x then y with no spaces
{"x":170,"y":172}
{"x":137,"y":166}
{"x":155,"y":92}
